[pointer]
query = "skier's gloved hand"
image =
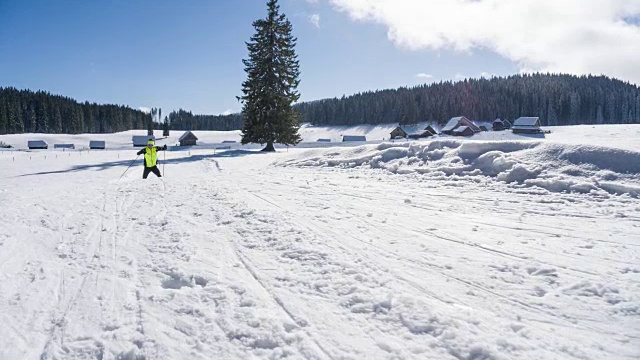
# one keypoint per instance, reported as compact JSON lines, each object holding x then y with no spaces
{"x":165,"y":146}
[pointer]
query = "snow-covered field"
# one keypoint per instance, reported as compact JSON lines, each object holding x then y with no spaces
{"x":494,"y":248}
{"x":605,"y":135}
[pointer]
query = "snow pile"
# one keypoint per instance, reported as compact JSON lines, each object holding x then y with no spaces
{"x":552,"y":166}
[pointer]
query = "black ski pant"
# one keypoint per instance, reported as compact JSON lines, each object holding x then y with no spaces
{"x":153,"y":169}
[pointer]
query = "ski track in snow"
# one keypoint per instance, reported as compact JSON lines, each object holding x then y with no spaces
{"x":230,"y":257}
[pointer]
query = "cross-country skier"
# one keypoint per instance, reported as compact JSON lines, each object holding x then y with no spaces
{"x":151,"y":158}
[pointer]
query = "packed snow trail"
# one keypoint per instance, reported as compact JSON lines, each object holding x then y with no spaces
{"x":231,"y":257}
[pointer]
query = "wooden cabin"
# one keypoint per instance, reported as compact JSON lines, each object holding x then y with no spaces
{"x":97,"y":144}
{"x":64,"y":146}
{"x":353,"y":138}
{"x":457,"y":122}
{"x":188,"y":139}
{"x":463,"y":131}
{"x":37,"y":144}
{"x":141,"y":140}
{"x":527,"y":125}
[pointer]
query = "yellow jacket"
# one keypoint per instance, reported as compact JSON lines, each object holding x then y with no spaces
{"x":151,"y":155}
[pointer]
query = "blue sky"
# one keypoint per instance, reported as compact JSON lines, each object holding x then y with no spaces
{"x":188,"y":54}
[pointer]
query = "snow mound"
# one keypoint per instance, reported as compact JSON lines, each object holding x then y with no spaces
{"x":555,"y":167}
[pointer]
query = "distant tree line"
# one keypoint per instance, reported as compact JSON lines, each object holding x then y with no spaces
{"x":24,"y":111}
{"x":557,"y":99}
{"x":185,"y":120}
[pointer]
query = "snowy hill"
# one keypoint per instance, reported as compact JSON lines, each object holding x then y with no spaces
{"x":494,"y":247}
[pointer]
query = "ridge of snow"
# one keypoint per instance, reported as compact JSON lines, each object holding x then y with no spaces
{"x":551,"y":166}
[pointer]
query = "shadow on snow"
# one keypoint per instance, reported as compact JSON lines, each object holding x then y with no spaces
{"x":139,"y":162}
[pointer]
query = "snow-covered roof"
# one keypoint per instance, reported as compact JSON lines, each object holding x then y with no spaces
{"x":452,"y":124}
{"x":186,"y":135}
{"x":145,"y":137}
{"x":498,"y":121}
{"x":415,"y":129}
{"x":461,"y":129}
{"x":433,"y":127}
{"x":354,"y":138}
{"x":142,"y":139}
{"x":412,"y":129}
{"x":459,"y":121}
{"x":527,"y":121}
{"x":487,"y":125}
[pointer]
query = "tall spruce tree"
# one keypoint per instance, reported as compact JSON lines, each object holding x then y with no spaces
{"x":165,"y":127}
{"x":4,"y":118}
{"x":272,"y":81}
{"x":150,"y":122}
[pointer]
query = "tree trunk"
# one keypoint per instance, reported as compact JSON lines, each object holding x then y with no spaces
{"x":269,"y":147}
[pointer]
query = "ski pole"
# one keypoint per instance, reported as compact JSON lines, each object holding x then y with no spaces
{"x":134,"y":160}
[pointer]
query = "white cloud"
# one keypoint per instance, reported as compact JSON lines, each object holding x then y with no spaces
{"x":424,"y":76}
{"x":227,"y":112}
{"x":574,"y":36}
{"x":145,"y":109}
{"x":315,"y":20}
